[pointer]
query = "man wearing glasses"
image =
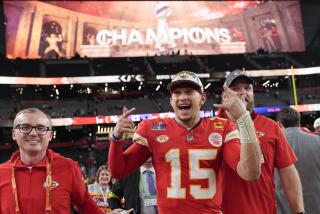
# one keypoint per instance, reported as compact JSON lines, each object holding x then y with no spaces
{"x":37,"y":180}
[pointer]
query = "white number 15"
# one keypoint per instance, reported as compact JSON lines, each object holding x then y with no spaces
{"x":195,"y":172}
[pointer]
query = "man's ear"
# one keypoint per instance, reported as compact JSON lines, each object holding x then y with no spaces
{"x":171,"y":102}
{"x":51,"y":135}
{"x":203,"y":98}
{"x":222,"y":95}
{"x":13,"y":134}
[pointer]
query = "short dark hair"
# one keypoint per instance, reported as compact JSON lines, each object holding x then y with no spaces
{"x":289,"y":117}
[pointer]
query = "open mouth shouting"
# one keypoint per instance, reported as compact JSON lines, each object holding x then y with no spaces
{"x":184,"y":107}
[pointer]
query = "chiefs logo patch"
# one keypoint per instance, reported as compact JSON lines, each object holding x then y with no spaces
{"x":162,"y":138}
{"x":215,"y":139}
{"x":259,"y":134}
{"x":54,"y":184}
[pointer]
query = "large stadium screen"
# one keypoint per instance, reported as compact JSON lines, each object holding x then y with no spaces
{"x":49,"y":29}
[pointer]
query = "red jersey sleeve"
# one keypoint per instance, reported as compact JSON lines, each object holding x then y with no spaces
{"x":122,"y":163}
{"x":80,"y":195}
{"x":284,"y":153}
{"x":231,"y":146}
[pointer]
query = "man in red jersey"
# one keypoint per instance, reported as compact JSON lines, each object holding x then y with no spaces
{"x":188,"y":152}
{"x":258,"y":197}
{"x":37,"y":180}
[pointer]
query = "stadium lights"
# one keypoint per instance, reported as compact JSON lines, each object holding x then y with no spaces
{"x":207,"y":86}
{"x":139,"y":78}
{"x":266,"y":83}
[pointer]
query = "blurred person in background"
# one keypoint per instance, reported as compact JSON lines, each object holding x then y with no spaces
{"x":188,"y":151}
{"x":101,"y":187}
{"x":307,"y":148}
{"x":316,"y":126}
{"x":138,"y":191}
{"x":240,"y":196}
{"x":37,"y":180}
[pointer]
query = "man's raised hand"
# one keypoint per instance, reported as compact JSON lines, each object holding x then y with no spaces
{"x":233,"y":103}
{"x":124,"y":124}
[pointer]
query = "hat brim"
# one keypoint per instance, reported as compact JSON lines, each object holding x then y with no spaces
{"x":183,"y":83}
{"x":241,"y":76}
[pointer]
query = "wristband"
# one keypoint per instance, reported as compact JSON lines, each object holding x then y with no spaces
{"x":246,"y":129}
{"x":114,"y":138}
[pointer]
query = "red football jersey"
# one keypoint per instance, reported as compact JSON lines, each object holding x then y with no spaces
{"x":187,"y":162}
{"x":240,"y":196}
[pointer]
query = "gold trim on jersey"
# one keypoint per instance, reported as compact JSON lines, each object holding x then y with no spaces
{"x":232,"y":135}
{"x":140,"y":140}
{"x":218,"y":118}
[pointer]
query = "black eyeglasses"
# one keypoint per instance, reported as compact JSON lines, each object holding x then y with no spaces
{"x":26,"y":129}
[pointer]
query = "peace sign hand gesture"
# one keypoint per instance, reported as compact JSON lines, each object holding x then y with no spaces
{"x":124,"y":124}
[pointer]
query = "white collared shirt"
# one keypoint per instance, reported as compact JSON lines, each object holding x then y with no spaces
{"x":144,"y":190}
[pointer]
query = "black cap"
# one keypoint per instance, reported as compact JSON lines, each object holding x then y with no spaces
{"x":235,"y":75}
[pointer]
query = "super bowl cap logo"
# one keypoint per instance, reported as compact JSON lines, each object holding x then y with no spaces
{"x":215,"y":139}
{"x":237,"y":72}
{"x":185,"y":75}
{"x":188,"y":75}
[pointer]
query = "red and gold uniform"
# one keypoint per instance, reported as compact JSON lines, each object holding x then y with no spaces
{"x":187,"y":162}
{"x":67,"y":186}
{"x":240,"y":196}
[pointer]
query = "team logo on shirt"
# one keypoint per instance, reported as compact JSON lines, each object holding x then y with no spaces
{"x":54,"y":184}
{"x":215,"y":139}
{"x":158,"y":126}
{"x":259,"y":134}
{"x":162,"y":138}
